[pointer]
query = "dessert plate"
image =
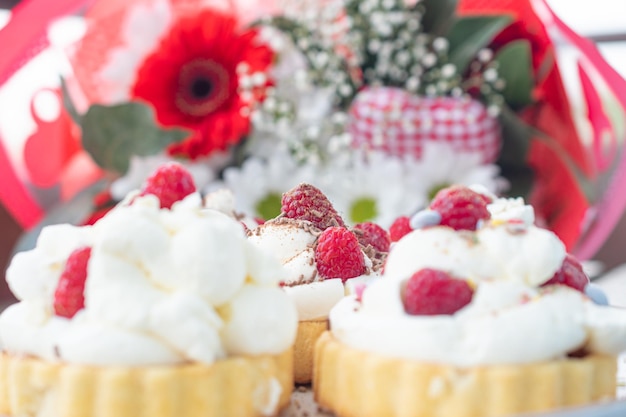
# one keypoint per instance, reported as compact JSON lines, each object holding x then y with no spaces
{"x":612,"y":409}
{"x":303,"y":405}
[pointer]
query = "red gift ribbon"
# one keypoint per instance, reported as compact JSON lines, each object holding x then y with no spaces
{"x":25,"y":36}
{"x":608,"y":211}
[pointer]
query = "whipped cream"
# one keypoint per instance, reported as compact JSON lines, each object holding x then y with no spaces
{"x":315,"y":300}
{"x":292,"y":242}
{"x":510,"y":320}
{"x":530,"y":255}
{"x":163,"y":286}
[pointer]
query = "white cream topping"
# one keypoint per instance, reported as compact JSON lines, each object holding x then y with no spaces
{"x":315,"y":300}
{"x":256,"y":321}
{"x":43,"y":267}
{"x":301,"y":268}
{"x":500,"y":326}
{"x":511,"y":319}
{"x":48,"y":338}
{"x":293,"y":245}
{"x":504,"y":209}
{"x":531,"y":256}
{"x":163,"y":286}
{"x":284,"y":240}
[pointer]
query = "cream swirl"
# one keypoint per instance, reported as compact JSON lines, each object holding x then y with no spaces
{"x":292,"y":242}
{"x":163,"y":286}
{"x":530,"y":255}
{"x":511,"y":318}
{"x":506,"y":323}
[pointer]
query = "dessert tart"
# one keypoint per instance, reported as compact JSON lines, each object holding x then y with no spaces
{"x":478,"y":314}
{"x":324,"y":260}
{"x":161,"y":308}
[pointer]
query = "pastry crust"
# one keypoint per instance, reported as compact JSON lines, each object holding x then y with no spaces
{"x":239,"y":386}
{"x":356,"y":383}
{"x":304,"y":349}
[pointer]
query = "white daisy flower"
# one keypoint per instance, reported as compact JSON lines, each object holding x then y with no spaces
{"x":259,"y":183}
{"x":141,"y":32}
{"x":441,"y":166}
{"x":371,"y":187}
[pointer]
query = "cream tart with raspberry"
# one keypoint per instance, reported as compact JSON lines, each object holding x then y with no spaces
{"x":162,"y":308}
{"x":479,"y":314}
{"x":323,"y":260}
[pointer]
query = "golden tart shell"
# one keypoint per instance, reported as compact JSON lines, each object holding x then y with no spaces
{"x":238,"y":386}
{"x":304,"y":349}
{"x":356,"y":383}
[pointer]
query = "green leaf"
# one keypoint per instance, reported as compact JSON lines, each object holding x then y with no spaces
{"x":69,"y":104}
{"x":518,"y":135}
{"x":512,"y":161}
{"x":112,"y":135}
{"x":438,"y":15}
{"x":292,"y":27}
{"x":471,"y":34}
{"x":515,"y":67}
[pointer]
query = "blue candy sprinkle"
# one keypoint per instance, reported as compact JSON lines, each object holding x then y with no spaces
{"x":425,"y":218}
{"x":596,"y":294}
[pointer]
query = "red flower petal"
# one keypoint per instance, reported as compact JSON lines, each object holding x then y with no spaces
{"x":192,"y":80}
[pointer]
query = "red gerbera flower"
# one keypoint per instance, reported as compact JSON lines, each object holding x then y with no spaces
{"x":192,"y":80}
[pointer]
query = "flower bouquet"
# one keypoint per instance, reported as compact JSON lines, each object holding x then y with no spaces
{"x":379,"y":103}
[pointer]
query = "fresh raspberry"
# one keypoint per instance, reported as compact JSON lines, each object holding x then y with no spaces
{"x":68,"y":296}
{"x":431,"y":291}
{"x":338,"y":254}
{"x":372,"y":234}
{"x":400,"y":227}
{"x":171,"y":182}
{"x":306,"y":202}
{"x":571,"y":274}
{"x":460,"y":207}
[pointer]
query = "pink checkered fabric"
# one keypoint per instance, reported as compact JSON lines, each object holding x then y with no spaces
{"x":397,"y":122}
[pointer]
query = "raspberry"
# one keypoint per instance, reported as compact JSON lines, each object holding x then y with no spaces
{"x":68,"y":296}
{"x":571,"y":274}
{"x":460,"y":207}
{"x":306,"y":202}
{"x":400,"y":227}
{"x":372,"y":234}
{"x":338,"y":254}
{"x":431,"y":291}
{"x":171,"y":182}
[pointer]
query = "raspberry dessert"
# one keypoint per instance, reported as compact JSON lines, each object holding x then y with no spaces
{"x":161,"y":308}
{"x":479,"y":314}
{"x":323,"y":259}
